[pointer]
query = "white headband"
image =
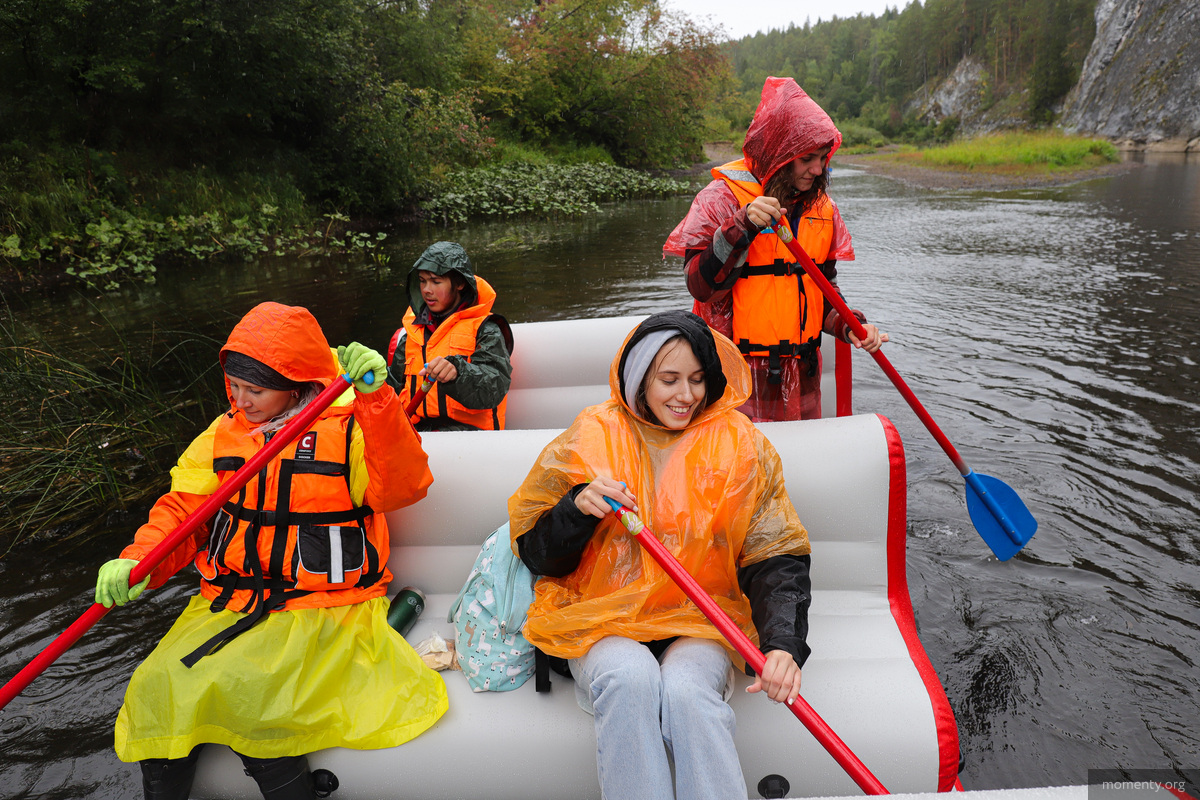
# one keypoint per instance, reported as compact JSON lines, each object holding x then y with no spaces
{"x":641,"y":355}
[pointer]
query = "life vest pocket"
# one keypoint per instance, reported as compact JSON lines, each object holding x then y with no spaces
{"x":218,"y":539}
{"x":328,"y":556}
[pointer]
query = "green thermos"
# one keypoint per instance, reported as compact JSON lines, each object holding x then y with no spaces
{"x":406,"y":606}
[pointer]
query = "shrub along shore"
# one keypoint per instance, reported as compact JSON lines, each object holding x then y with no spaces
{"x":104,"y":219}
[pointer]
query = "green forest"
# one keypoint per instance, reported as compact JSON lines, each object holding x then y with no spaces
{"x":138,"y":132}
{"x":867,"y":69}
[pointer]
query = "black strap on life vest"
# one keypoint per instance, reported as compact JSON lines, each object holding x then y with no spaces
{"x":806,"y":352}
{"x":777,"y":352}
{"x":258,"y":601}
{"x":778,"y":269}
{"x":269,"y":591}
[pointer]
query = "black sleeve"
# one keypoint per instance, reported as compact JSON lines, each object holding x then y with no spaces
{"x":780,"y":592}
{"x":554,"y":545}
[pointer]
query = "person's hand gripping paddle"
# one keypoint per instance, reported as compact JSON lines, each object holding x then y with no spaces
{"x":998,"y":513}
{"x":832,"y":743}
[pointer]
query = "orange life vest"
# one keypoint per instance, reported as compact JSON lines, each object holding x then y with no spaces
{"x":455,"y":336}
{"x":777,"y":308}
{"x":293,"y":530}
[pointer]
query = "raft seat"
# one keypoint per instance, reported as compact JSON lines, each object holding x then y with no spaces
{"x":868,"y":676}
{"x":561,"y":367}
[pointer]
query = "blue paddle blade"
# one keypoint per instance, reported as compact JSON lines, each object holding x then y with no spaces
{"x":1000,"y":516}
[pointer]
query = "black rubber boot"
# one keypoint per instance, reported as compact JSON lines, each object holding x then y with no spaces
{"x":169,"y":778}
{"x":285,"y":778}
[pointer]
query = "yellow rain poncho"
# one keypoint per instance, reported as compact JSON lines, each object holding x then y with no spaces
{"x":326,"y":670}
{"x":713,"y":493}
{"x":299,"y":681}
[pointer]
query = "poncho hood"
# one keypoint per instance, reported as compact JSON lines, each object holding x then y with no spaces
{"x":287,"y":339}
{"x":787,"y":124}
{"x":726,"y":376}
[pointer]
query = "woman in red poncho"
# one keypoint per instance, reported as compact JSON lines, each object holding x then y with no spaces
{"x":745,"y":281}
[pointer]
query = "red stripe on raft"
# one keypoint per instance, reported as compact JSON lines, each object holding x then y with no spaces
{"x":843,"y":378}
{"x":1180,"y":793}
{"x":902,"y":611}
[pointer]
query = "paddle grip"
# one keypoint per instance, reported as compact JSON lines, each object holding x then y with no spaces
{"x":820,"y":730}
{"x":784,"y":232}
{"x":197,"y":518}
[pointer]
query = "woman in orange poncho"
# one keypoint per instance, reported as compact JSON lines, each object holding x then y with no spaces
{"x":647,"y":664}
{"x":744,"y":281}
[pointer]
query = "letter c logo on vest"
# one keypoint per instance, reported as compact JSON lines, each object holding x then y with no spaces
{"x":307,"y":449}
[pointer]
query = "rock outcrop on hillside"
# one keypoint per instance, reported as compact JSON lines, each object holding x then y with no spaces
{"x":1141,"y":79}
{"x":962,"y":96}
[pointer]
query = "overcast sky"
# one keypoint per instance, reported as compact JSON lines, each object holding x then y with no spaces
{"x":745,"y":17}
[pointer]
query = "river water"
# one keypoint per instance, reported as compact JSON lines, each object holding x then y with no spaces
{"x":1051,"y":333}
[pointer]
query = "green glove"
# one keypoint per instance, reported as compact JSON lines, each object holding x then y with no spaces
{"x":357,"y":360}
{"x":112,"y":585}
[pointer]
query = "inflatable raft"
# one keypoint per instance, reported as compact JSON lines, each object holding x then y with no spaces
{"x":868,"y":676}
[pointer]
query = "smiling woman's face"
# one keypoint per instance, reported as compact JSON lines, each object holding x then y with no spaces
{"x":675,"y":385}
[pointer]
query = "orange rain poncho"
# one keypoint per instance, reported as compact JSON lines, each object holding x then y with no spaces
{"x":713,"y":493}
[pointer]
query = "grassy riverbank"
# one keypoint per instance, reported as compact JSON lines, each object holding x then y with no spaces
{"x":1000,"y":161}
{"x":86,"y":441}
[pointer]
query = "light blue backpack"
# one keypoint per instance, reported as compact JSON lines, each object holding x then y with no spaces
{"x":488,"y":614}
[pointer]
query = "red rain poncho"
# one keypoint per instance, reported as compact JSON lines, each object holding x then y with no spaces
{"x":787,"y":124}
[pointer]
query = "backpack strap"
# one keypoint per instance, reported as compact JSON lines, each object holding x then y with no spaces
{"x":541,"y":671}
{"x":505,"y":330}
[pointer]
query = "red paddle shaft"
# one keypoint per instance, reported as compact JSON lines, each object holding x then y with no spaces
{"x":411,"y":408}
{"x":832,"y":743}
{"x":186,"y":528}
{"x":785,"y":235}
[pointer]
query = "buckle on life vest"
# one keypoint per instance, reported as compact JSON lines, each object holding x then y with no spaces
{"x":806,"y":352}
{"x":777,"y":269}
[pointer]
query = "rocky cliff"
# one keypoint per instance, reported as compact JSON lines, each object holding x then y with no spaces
{"x":1141,"y":80}
{"x":964,"y":96}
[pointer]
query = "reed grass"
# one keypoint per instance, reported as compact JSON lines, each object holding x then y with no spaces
{"x":1047,"y":150}
{"x":89,"y":433}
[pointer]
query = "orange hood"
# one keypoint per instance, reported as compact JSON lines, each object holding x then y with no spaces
{"x":286,"y":339}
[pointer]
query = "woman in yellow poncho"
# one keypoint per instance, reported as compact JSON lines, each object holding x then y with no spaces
{"x":286,"y":649}
{"x":653,"y":671}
